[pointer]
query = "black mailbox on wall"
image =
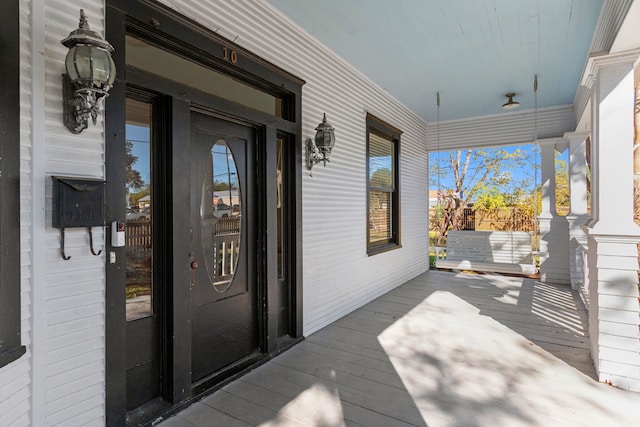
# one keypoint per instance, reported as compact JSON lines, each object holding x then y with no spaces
{"x":77,"y":202}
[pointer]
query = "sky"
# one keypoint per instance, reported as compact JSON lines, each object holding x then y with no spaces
{"x":140,"y":136}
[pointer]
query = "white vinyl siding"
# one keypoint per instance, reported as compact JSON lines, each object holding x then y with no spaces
{"x":505,"y":129}
{"x":74,"y":298}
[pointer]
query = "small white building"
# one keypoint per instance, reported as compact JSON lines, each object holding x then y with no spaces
{"x":93,"y":331}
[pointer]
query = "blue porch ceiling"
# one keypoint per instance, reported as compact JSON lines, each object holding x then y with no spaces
{"x":472,"y":51}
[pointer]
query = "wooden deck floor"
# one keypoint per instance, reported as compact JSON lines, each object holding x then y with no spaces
{"x":440,"y":350}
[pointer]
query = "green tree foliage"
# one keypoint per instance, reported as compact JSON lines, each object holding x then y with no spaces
{"x":219,"y":185}
{"x":490,"y":198}
{"x":527,"y":202}
{"x":134,"y":179}
{"x":562,"y":184}
{"x":531,"y":203}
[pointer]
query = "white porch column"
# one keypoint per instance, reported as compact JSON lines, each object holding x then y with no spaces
{"x":578,"y":199}
{"x":554,"y":230}
{"x":612,"y":234}
{"x":548,"y":166}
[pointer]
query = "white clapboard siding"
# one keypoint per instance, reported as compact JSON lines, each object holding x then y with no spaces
{"x":69,"y":380}
{"x":338,"y":274}
{"x":15,"y":393}
{"x":501,"y":129}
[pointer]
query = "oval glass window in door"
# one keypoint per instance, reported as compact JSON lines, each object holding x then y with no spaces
{"x":221,"y":217}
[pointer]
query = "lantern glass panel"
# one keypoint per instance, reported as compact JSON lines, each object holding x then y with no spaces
{"x":82,"y":60}
{"x":101,"y":65}
{"x":112,"y":76}
{"x":324,"y":140}
{"x":70,"y":65}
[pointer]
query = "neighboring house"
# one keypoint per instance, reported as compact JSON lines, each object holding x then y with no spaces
{"x":144,"y":202}
{"x":231,"y":198}
{"x":201,"y":75}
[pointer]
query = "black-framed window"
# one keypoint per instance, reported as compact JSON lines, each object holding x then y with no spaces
{"x":383,"y":186}
{"x":10,"y":345}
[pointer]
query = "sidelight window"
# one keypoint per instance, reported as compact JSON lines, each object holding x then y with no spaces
{"x":139,"y":261}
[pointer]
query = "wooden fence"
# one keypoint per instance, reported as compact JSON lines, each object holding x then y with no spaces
{"x":500,"y":219}
{"x":468,"y":220}
{"x":138,"y":233}
{"x":138,"y":236}
{"x":504,"y":219}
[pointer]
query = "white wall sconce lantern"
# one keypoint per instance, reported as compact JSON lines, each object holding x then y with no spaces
{"x":90,"y":73}
{"x":324,"y":142}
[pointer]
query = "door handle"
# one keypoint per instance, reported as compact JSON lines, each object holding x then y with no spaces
{"x":194,"y":265}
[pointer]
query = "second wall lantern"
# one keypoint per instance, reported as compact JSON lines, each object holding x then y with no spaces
{"x":324,"y":142}
{"x":90,"y":73}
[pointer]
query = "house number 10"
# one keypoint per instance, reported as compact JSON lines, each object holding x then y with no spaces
{"x":230,"y":55}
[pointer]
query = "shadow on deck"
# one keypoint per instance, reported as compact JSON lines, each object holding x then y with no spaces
{"x":440,"y":350}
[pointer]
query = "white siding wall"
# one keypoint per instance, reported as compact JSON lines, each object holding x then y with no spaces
{"x":60,"y":380}
{"x":74,"y":299}
{"x":502,"y":129}
{"x":338,"y":274}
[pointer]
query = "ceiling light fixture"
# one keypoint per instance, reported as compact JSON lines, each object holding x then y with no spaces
{"x":510,"y":104}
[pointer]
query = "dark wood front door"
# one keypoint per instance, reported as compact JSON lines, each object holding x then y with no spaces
{"x":223,"y":219}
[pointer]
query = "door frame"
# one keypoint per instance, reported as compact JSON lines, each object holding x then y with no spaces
{"x":182,"y":35}
{"x":10,"y":285}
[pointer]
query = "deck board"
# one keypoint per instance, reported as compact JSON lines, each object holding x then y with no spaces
{"x":443,"y":349}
